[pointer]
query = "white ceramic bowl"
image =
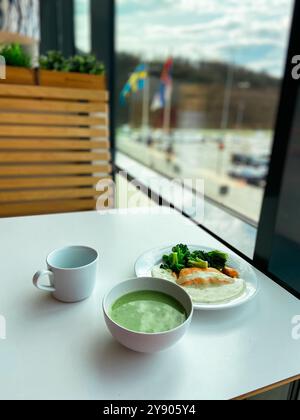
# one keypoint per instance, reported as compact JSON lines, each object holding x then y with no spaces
{"x":147,"y":342}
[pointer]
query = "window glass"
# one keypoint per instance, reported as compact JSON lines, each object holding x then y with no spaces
{"x":198,"y":84}
{"x":82,"y":26}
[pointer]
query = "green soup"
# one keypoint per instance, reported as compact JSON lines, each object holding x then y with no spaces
{"x":148,"y":311}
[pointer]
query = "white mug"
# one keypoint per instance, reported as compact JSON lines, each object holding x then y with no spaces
{"x":72,"y":273}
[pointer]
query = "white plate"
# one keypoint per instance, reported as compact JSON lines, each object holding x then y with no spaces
{"x":145,"y":263}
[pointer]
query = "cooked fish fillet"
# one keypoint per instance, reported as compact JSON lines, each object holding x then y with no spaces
{"x":202,"y":276}
{"x":206,"y":293}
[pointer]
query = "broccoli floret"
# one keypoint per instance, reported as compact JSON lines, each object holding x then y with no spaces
{"x":178,"y":259}
{"x":198,"y":254}
{"x":181,"y":257}
{"x":197,"y":262}
{"x":180,"y":248}
{"x":174,"y":258}
{"x":182,"y":252}
{"x":217,"y":259}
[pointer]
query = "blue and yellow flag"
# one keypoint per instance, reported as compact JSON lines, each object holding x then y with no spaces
{"x":135,"y":82}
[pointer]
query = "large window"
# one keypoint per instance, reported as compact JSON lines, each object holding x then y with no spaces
{"x":216,"y":122}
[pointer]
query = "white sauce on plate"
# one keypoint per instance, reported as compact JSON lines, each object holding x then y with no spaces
{"x":206,"y":294}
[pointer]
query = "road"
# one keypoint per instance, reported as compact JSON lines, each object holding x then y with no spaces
{"x":203,"y":161}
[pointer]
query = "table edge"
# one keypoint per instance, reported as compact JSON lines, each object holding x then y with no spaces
{"x":267,"y":388}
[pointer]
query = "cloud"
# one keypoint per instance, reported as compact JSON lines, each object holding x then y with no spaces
{"x":253,"y":33}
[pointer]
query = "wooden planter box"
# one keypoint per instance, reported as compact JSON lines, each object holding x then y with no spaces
{"x":71,"y":80}
{"x":24,"y":76}
{"x":19,"y":76}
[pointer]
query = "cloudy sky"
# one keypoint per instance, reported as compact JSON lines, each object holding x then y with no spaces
{"x":252,"y":33}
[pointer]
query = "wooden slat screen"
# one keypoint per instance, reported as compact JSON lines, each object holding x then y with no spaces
{"x":54,"y":148}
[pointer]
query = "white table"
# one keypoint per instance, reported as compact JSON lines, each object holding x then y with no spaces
{"x":64,"y":351}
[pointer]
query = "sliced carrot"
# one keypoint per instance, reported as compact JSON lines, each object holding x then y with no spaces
{"x":231,"y":272}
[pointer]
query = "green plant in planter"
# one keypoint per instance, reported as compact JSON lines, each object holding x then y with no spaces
{"x":15,"y":55}
{"x":86,"y":64}
{"x":53,"y":60}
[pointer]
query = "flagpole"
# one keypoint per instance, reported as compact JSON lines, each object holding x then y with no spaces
{"x":131,"y":111}
{"x":167,"y":110}
{"x":146,"y":101}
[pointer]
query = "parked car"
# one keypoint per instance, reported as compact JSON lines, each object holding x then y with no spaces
{"x":250,"y":160}
{"x":252,"y":175}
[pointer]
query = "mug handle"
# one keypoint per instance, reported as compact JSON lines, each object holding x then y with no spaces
{"x":38,"y":276}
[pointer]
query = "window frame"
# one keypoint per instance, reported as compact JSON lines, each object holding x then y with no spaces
{"x":283,"y":130}
{"x":57,"y":26}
